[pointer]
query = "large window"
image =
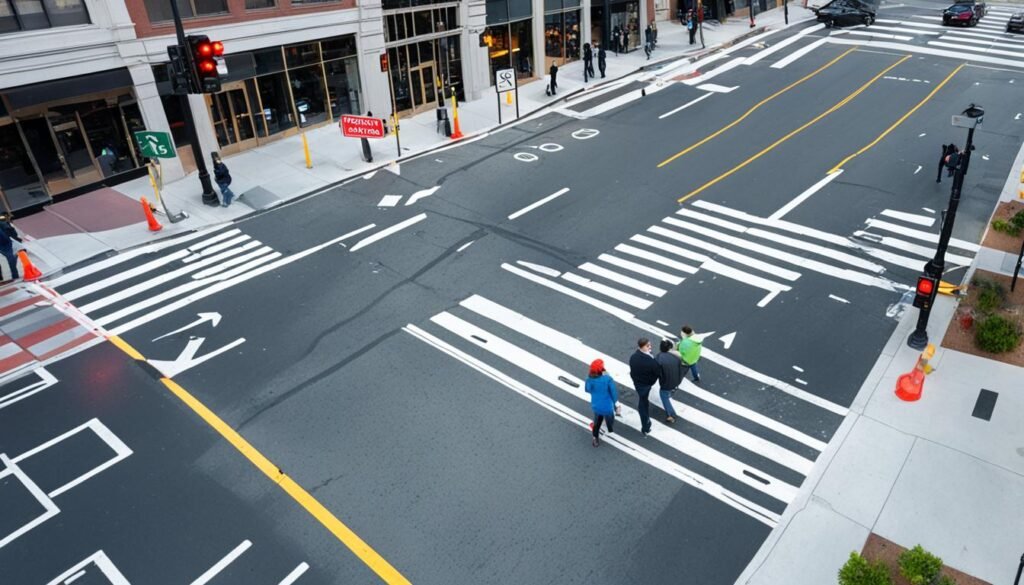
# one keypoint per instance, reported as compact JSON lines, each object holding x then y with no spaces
{"x":258,"y":4}
{"x":160,"y":10}
{"x":406,"y":25}
{"x":18,"y":15}
{"x":561,"y":35}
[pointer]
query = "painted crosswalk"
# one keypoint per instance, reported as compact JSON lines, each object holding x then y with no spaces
{"x":729,"y":451}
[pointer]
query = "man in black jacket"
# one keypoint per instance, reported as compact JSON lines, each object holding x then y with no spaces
{"x":672,"y":375}
{"x":8,"y":233}
{"x":645,"y":371}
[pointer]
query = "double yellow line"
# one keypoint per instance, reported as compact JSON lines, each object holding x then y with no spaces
{"x":793,"y":133}
{"x":350,"y":539}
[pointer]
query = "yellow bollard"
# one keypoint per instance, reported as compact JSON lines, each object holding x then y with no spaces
{"x":152,"y":181}
{"x":305,"y":150}
{"x":508,"y":97}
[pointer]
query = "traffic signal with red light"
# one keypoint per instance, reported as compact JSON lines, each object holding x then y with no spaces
{"x":383,"y":62}
{"x":927,"y":286}
{"x":205,"y":55}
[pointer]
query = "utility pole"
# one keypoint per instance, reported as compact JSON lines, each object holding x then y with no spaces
{"x":209,"y":197}
{"x":926,"y":288}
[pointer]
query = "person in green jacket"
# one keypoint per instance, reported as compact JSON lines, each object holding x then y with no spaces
{"x":689,"y":351}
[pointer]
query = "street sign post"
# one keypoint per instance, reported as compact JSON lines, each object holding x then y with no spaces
{"x":504,"y":81}
{"x":361,"y":127}
{"x":155,"y":144}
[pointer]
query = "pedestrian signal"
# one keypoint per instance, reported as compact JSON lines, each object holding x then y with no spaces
{"x":925,"y":294}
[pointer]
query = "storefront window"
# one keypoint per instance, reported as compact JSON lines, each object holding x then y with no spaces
{"x":338,"y":48}
{"x":160,"y":10}
{"x":498,"y":51}
{"x":258,"y":4}
{"x":299,"y":55}
{"x":343,"y":86}
{"x":522,"y":48}
{"x":310,"y":95}
{"x":553,"y":37}
{"x":268,"y":61}
{"x":18,"y":179}
{"x":31,"y":14}
{"x":277,"y":103}
{"x":66,"y":12}
{"x":572,"y":35}
{"x":626,"y":16}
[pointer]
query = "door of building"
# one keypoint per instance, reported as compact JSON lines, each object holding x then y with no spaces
{"x":232,"y":118}
{"x":60,"y":150}
{"x":423,"y":87}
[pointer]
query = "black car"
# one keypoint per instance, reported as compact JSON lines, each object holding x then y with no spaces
{"x":963,"y":14}
{"x":1016,"y":22}
{"x":848,"y":12}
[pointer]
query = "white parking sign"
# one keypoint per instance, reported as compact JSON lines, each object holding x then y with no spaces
{"x":505,"y":80}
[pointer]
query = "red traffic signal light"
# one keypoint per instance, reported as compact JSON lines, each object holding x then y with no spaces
{"x":204,"y":56}
{"x":218,"y":48}
{"x":925,"y":285}
{"x":204,"y":49}
{"x":207,"y":66}
{"x":383,"y":62}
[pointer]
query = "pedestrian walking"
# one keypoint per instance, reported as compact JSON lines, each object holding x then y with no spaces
{"x":601,"y":59}
{"x":648,"y":40}
{"x":950,"y":159}
{"x":615,"y":40}
{"x":691,"y":26}
{"x":671,"y":377}
{"x":681,"y":15}
{"x":645,"y":371}
{"x":553,"y":72}
{"x":689,"y":351}
{"x":654,"y":35}
{"x":623,"y":41}
{"x":8,"y":235}
{"x":603,"y":396}
{"x":107,"y":160}
{"x":588,"y":62}
{"x":222,"y":177}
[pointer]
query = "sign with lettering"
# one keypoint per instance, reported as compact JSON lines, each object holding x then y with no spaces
{"x":361,"y":127}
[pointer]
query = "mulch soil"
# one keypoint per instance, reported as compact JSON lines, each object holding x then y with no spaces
{"x":961,"y":338}
{"x":999,"y":240}
{"x":879,"y":549}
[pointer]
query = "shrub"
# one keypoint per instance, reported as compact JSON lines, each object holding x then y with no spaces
{"x":858,"y":571}
{"x":919,"y":566}
{"x":1007,"y":227}
{"x":1017,"y":221}
{"x":991,"y":296}
{"x":997,"y":334}
{"x":946,"y":580}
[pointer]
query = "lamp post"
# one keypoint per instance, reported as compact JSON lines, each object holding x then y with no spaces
{"x":970,"y":118}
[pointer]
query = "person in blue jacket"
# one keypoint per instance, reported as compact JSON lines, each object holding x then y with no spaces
{"x":603,"y":396}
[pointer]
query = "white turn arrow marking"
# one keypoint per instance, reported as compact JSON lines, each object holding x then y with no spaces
{"x":728,"y":339}
{"x":213,"y":318}
{"x":702,"y":336}
{"x":187,"y":359}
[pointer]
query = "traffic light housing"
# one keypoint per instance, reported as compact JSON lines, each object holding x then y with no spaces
{"x":205,"y":54}
{"x":927,"y":287}
{"x":178,"y":70}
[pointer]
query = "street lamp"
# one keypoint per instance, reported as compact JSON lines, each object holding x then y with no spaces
{"x":970,"y":118}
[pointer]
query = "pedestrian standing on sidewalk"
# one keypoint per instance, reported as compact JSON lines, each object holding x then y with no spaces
{"x":7,"y":234}
{"x":615,"y":40}
{"x":681,"y":15}
{"x":645,"y":371}
{"x":603,"y":396}
{"x":223,"y":179}
{"x":554,"y":77}
{"x":648,"y":40}
{"x":588,"y":62}
{"x":689,"y":351}
{"x":950,"y":158}
{"x":654,"y":34}
{"x":691,"y":26}
{"x":601,"y":59}
{"x":671,"y":377}
{"x":623,"y":40}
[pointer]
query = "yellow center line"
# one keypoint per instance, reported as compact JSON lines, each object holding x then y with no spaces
{"x":898,"y":122}
{"x":756,"y":106}
{"x":793,"y":133}
{"x":350,"y":539}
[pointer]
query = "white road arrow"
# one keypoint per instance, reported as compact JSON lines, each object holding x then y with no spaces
{"x":702,"y":336}
{"x":188,"y":359}
{"x":728,"y":339}
{"x":213,"y":318}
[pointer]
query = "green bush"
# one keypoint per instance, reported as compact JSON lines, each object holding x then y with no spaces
{"x":858,"y":571}
{"x":991,"y":296}
{"x":1008,"y":227}
{"x":919,"y":566}
{"x":997,"y":334}
{"x":1017,"y":221}
{"x":946,"y":580}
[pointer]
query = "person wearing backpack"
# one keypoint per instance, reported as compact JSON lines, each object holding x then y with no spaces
{"x":603,"y":396}
{"x":222,"y":177}
{"x":689,"y":351}
{"x":8,"y":234}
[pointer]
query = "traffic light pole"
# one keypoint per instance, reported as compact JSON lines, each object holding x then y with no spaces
{"x":209,"y":197}
{"x":935,"y":267}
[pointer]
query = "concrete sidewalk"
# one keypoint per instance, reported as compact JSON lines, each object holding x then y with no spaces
{"x":69,"y":232}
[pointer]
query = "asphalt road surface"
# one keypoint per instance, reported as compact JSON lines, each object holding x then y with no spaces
{"x":384,"y":381}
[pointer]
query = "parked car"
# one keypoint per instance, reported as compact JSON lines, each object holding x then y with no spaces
{"x":1016,"y":22}
{"x":962,"y":14}
{"x":848,"y":12}
{"x":979,"y":5}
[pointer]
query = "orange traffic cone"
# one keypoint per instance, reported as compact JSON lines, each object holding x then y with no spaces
{"x":458,"y":132}
{"x":154,"y":225}
{"x":910,"y":385}
{"x":28,"y":270}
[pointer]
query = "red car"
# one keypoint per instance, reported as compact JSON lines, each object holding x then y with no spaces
{"x":963,"y":13}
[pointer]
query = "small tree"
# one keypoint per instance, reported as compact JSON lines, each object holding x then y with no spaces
{"x":858,"y":571}
{"x":919,"y":566}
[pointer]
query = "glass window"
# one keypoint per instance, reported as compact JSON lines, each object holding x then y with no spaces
{"x":18,"y":177}
{"x":518,"y":9}
{"x":205,"y":7}
{"x":499,"y":48}
{"x":66,"y":12}
{"x":497,"y":11}
{"x":310,"y":94}
{"x":572,"y":35}
{"x":426,"y":51}
{"x":552,"y":5}
{"x":299,"y":55}
{"x":343,"y":86}
{"x":522,"y":48}
{"x":300,"y":2}
{"x":257,"y":4}
{"x":268,"y":61}
{"x":391,"y":28}
{"x":277,"y":103}
{"x":8,"y":23}
{"x":399,"y":78}
{"x":338,"y":47}
{"x":553,"y":36}
{"x":423,"y":23}
{"x":160,"y":10}
{"x":31,"y":14}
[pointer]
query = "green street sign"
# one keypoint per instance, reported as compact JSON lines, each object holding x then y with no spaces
{"x":155,"y":144}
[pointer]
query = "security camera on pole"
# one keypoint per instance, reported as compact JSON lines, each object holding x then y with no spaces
{"x":927,"y":283}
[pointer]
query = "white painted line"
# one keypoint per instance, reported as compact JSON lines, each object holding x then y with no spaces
{"x":466,"y":245}
{"x":920,"y":235}
{"x":918,"y":170}
{"x":805,"y":195}
{"x":773,"y":288}
{"x":614,"y":293}
{"x":715,"y":88}
{"x":968,"y":48}
{"x":222,"y":274}
{"x":540,"y":268}
{"x":676,"y":250}
{"x":782,"y":44}
{"x":728,"y":339}
{"x":652,"y":257}
{"x":798,"y":368}
{"x":219,"y":268}
{"x":101,"y":561}
{"x":421,"y":194}
{"x":121,"y":452}
{"x":909,"y":31}
{"x":732,"y":64}
{"x":74,"y":577}
{"x":850,"y":259}
{"x":922,"y":251}
{"x":389,"y":200}
{"x":122,"y":276}
{"x":711,"y":219}
{"x":606,"y":307}
{"x":234,"y":242}
{"x":684,"y":106}
{"x":788,"y":59}
{"x":124,"y":257}
{"x":985,"y":42}
{"x":879,"y":35}
{"x":840,"y":299}
{"x":537,"y":204}
{"x":46,"y":380}
{"x":50,"y":509}
{"x":963,"y":35}
{"x":630,"y":448}
{"x":917,"y":49}
{"x":387,"y":232}
{"x":622,"y":279}
{"x":641,"y":269}
{"x":910,"y":217}
{"x":928,"y":209}
{"x":717,"y":250}
{"x":222,"y":284}
{"x":662,"y":323}
{"x":221,"y":564}
{"x":295,"y":574}
{"x":799,"y":381}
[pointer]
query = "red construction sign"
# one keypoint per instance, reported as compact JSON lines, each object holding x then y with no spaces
{"x":361,"y":127}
